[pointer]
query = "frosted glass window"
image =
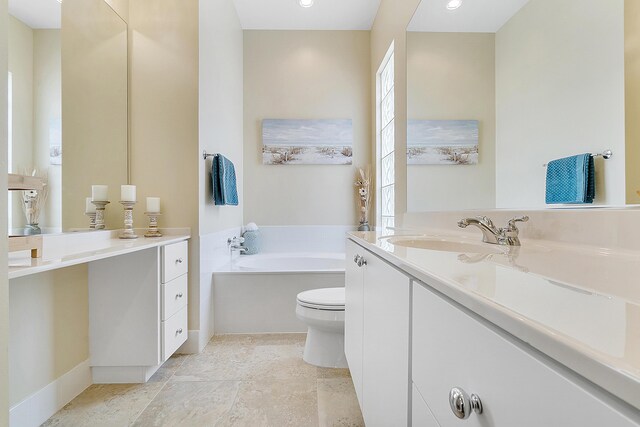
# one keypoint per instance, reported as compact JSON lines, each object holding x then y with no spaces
{"x":385,"y":156}
{"x":387,"y":109}
{"x":387,"y":201}
{"x":388,"y":171}
{"x":387,"y":140}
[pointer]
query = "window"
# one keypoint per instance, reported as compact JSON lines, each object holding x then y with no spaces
{"x":385,"y":147}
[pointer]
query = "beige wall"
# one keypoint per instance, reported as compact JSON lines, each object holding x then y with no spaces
{"x":49,"y":328}
{"x":390,"y":27}
{"x":94,"y":107}
{"x":47,"y":106}
{"x":4,"y":288}
{"x":451,"y":76}
{"x":632,"y":97}
{"x":221,"y":106}
{"x":21,"y":68}
{"x":164,"y":118}
{"x":559,"y":91}
{"x":304,"y":75}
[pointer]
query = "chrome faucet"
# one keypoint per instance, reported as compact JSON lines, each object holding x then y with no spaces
{"x":235,"y":244}
{"x":491,"y":234}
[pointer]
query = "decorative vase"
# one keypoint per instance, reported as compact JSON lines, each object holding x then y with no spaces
{"x":364,"y":226}
{"x":252,"y":242}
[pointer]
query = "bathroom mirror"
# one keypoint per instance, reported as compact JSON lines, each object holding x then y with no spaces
{"x":68,"y":105}
{"x":528,"y":81}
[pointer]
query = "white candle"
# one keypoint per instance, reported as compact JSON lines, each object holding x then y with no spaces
{"x":89,"y":207}
{"x":128,"y":193}
{"x":99,"y":193}
{"x":153,"y":204}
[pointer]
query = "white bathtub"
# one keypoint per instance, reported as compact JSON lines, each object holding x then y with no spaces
{"x":291,"y":262}
{"x":257,"y":293}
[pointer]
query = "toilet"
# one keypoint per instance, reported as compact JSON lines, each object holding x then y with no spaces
{"x":322,"y":310}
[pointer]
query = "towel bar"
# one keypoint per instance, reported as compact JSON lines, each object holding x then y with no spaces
{"x":205,"y":155}
{"x":606,"y":154}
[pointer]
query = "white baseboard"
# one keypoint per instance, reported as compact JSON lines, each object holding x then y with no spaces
{"x":40,"y":406}
{"x":195,"y":343}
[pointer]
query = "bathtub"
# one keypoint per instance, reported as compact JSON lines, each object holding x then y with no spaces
{"x":257,"y":293}
{"x":291,"y":262}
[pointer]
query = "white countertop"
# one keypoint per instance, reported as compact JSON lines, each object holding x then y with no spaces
{"x":579,"y":305}
{"x":67,"y":249}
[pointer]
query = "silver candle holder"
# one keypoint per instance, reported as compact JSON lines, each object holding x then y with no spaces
{"x":128,"y":232}
{"x":100,"y":207}
{"x":92,"y":220}
{"x":153,"y":224}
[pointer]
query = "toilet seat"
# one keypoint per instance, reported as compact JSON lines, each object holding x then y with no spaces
{"x":329,"y":299}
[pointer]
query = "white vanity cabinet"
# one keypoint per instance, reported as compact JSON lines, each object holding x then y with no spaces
{"x":390,"y":314}
{"x":516,"y":386}
{"x":137,"y":312}
{"x":377,"y":336}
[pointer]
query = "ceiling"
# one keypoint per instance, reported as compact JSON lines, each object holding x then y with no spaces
{"x":323,"y":15}
{"x":474,"y":16}
{"x":37,"y":14}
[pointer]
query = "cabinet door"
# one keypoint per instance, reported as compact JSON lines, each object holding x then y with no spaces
{"x":385,"y":383}
{"x":353,"y":316}
{"x":452,"y":348}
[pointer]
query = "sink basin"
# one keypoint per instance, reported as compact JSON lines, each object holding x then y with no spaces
{"x":444,"y":245}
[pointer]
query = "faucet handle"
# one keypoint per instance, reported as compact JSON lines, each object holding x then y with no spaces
{"x":486,"y":220}
{"x":512,"y":221}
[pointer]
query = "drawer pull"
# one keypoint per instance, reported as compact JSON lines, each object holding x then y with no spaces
{"x":179,"y":261}
{"x":462,"y":405}
{"x":359,"y":260}
{"x":178,"y":331}
{"x":179,"y":295}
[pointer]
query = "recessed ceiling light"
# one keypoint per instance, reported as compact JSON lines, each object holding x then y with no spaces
{"x":305,"y":3}
{"x":454,"y":4}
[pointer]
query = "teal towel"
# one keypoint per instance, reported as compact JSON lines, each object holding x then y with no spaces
{"x":223,"y":175}
{"x":571,"y":180}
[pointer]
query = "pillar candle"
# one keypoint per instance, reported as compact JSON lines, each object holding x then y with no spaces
{"x":89,"y":207}
{"x":99,"y":193}
{"x":153,"y":204}
{"x":128,"y":193}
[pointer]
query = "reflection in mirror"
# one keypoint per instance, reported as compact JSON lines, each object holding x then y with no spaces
{"x":544,"y":79}
{"x":35,"y":109}
{"x":94,"y":108}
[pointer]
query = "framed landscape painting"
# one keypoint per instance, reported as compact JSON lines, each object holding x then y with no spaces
{"x":442,"y":142}
{"x":307,"y":142}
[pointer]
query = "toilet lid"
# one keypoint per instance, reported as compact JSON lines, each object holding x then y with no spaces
{"x":326,"y":298}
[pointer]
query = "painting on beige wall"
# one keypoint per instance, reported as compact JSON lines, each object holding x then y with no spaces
{"x":307,"y":142}
{"x":442,"y":142}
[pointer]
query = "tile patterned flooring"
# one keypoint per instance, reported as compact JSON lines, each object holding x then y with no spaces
{"x":238,"y":380}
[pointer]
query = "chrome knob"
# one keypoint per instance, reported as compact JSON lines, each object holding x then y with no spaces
{"x":361,"y":262}
{"x":179,"y":331}
{"x":179,"y":295}
{"x":179,"y":261}
{"x":357,"y":259}
{"x":462,"y":405}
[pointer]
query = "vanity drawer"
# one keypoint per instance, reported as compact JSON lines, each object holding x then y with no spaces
{"x":175,"y":261}
{"x":517,"y":387}
{"x":174,"y":296}
{"x":174,"y":333}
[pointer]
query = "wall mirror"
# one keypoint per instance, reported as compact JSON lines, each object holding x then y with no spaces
{"x":530,"y":81}
{"x":68,"y":106}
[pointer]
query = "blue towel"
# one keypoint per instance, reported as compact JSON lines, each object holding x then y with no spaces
{"x":223,"y":174}
{"x":571,"y":180}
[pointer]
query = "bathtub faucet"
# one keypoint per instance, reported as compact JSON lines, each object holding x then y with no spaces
{"x":235,"y":244}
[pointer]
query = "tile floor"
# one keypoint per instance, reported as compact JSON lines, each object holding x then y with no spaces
{"x":238,"y":380}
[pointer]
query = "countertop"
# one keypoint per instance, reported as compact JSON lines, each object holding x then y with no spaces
{"x":67,"y":249}
{"x":579,"y":305}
